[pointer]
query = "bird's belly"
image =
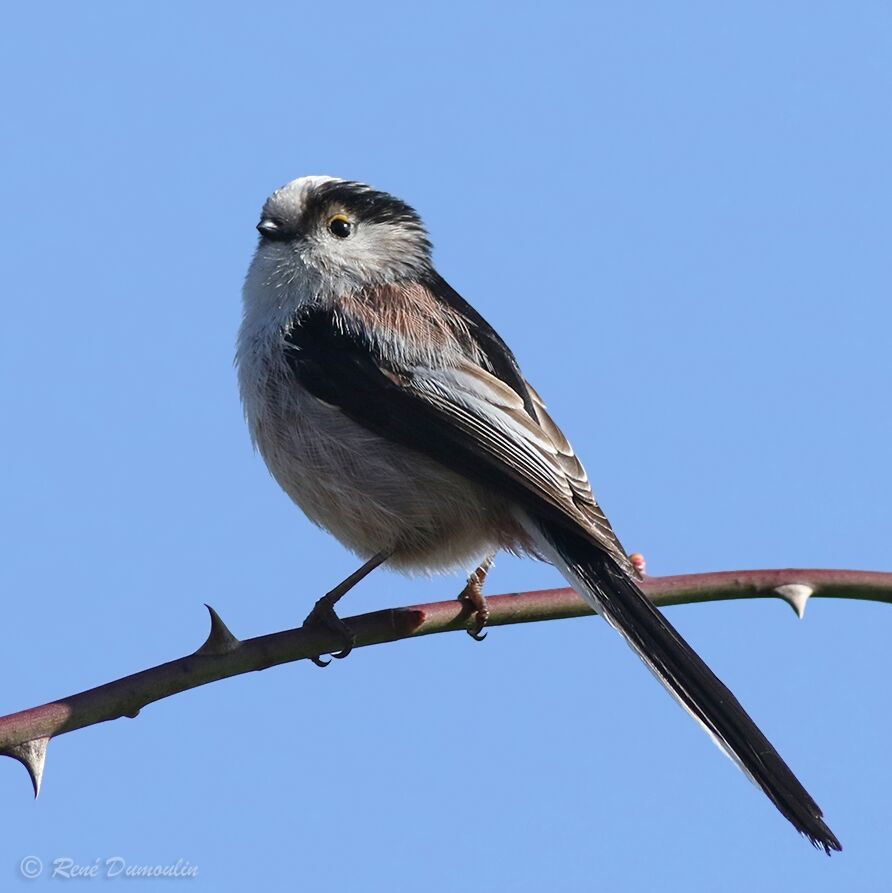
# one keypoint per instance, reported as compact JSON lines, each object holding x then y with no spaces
{"x":375,"y":495}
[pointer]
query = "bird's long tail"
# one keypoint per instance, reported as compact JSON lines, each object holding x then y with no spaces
{"x":596,"y":576}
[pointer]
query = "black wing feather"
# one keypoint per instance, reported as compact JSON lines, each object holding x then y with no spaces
{"x":340,"y":368}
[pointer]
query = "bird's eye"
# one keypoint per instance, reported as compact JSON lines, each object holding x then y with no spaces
{"x":340,"y":226}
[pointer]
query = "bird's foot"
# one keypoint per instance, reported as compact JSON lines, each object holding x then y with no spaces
{"x":472,"y":596}
{"x":323,"y":614}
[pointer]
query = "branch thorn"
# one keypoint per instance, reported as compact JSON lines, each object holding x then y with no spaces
{"x":796,"y":595}
{"x":220,"y":640}
{"x":32,"y":755}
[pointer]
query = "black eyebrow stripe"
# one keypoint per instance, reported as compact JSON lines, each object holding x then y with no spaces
{"x":364,"y":202}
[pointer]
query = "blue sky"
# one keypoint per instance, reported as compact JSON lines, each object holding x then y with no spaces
{"x":676,"y":214}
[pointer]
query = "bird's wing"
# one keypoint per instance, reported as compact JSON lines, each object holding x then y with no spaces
{"x":460,"y":414}
{"x":578,"y":481}
{"x":472,"y":420}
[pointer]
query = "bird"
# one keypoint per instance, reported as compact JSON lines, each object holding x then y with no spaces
{"x":395,"y":416}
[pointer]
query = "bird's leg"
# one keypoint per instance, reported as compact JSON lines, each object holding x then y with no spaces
{"x":472,"y":595}
{"x":323,"y":613}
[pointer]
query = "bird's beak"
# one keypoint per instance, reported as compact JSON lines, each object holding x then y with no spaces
{"x":269,"y":229}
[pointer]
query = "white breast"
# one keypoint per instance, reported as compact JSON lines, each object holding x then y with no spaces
{"x":371,"y":494}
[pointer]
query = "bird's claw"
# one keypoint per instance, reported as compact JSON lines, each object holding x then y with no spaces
{"x":475,"y":634}
{"x":481,"y":616}
{"x":323,"y":614}
{"x":472,"y":596}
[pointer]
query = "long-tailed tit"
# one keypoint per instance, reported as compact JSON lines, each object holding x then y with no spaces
{"x":395,"y":416}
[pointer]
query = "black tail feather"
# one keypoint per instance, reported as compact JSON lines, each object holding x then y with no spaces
{"x":688,"y":678}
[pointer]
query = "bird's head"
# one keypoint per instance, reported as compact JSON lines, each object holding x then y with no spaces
{"x":344,"y":233}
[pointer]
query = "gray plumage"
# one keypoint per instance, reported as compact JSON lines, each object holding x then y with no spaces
{"x":398,"y":420}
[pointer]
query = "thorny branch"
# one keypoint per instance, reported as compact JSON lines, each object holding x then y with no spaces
{"x":25,"y":735}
